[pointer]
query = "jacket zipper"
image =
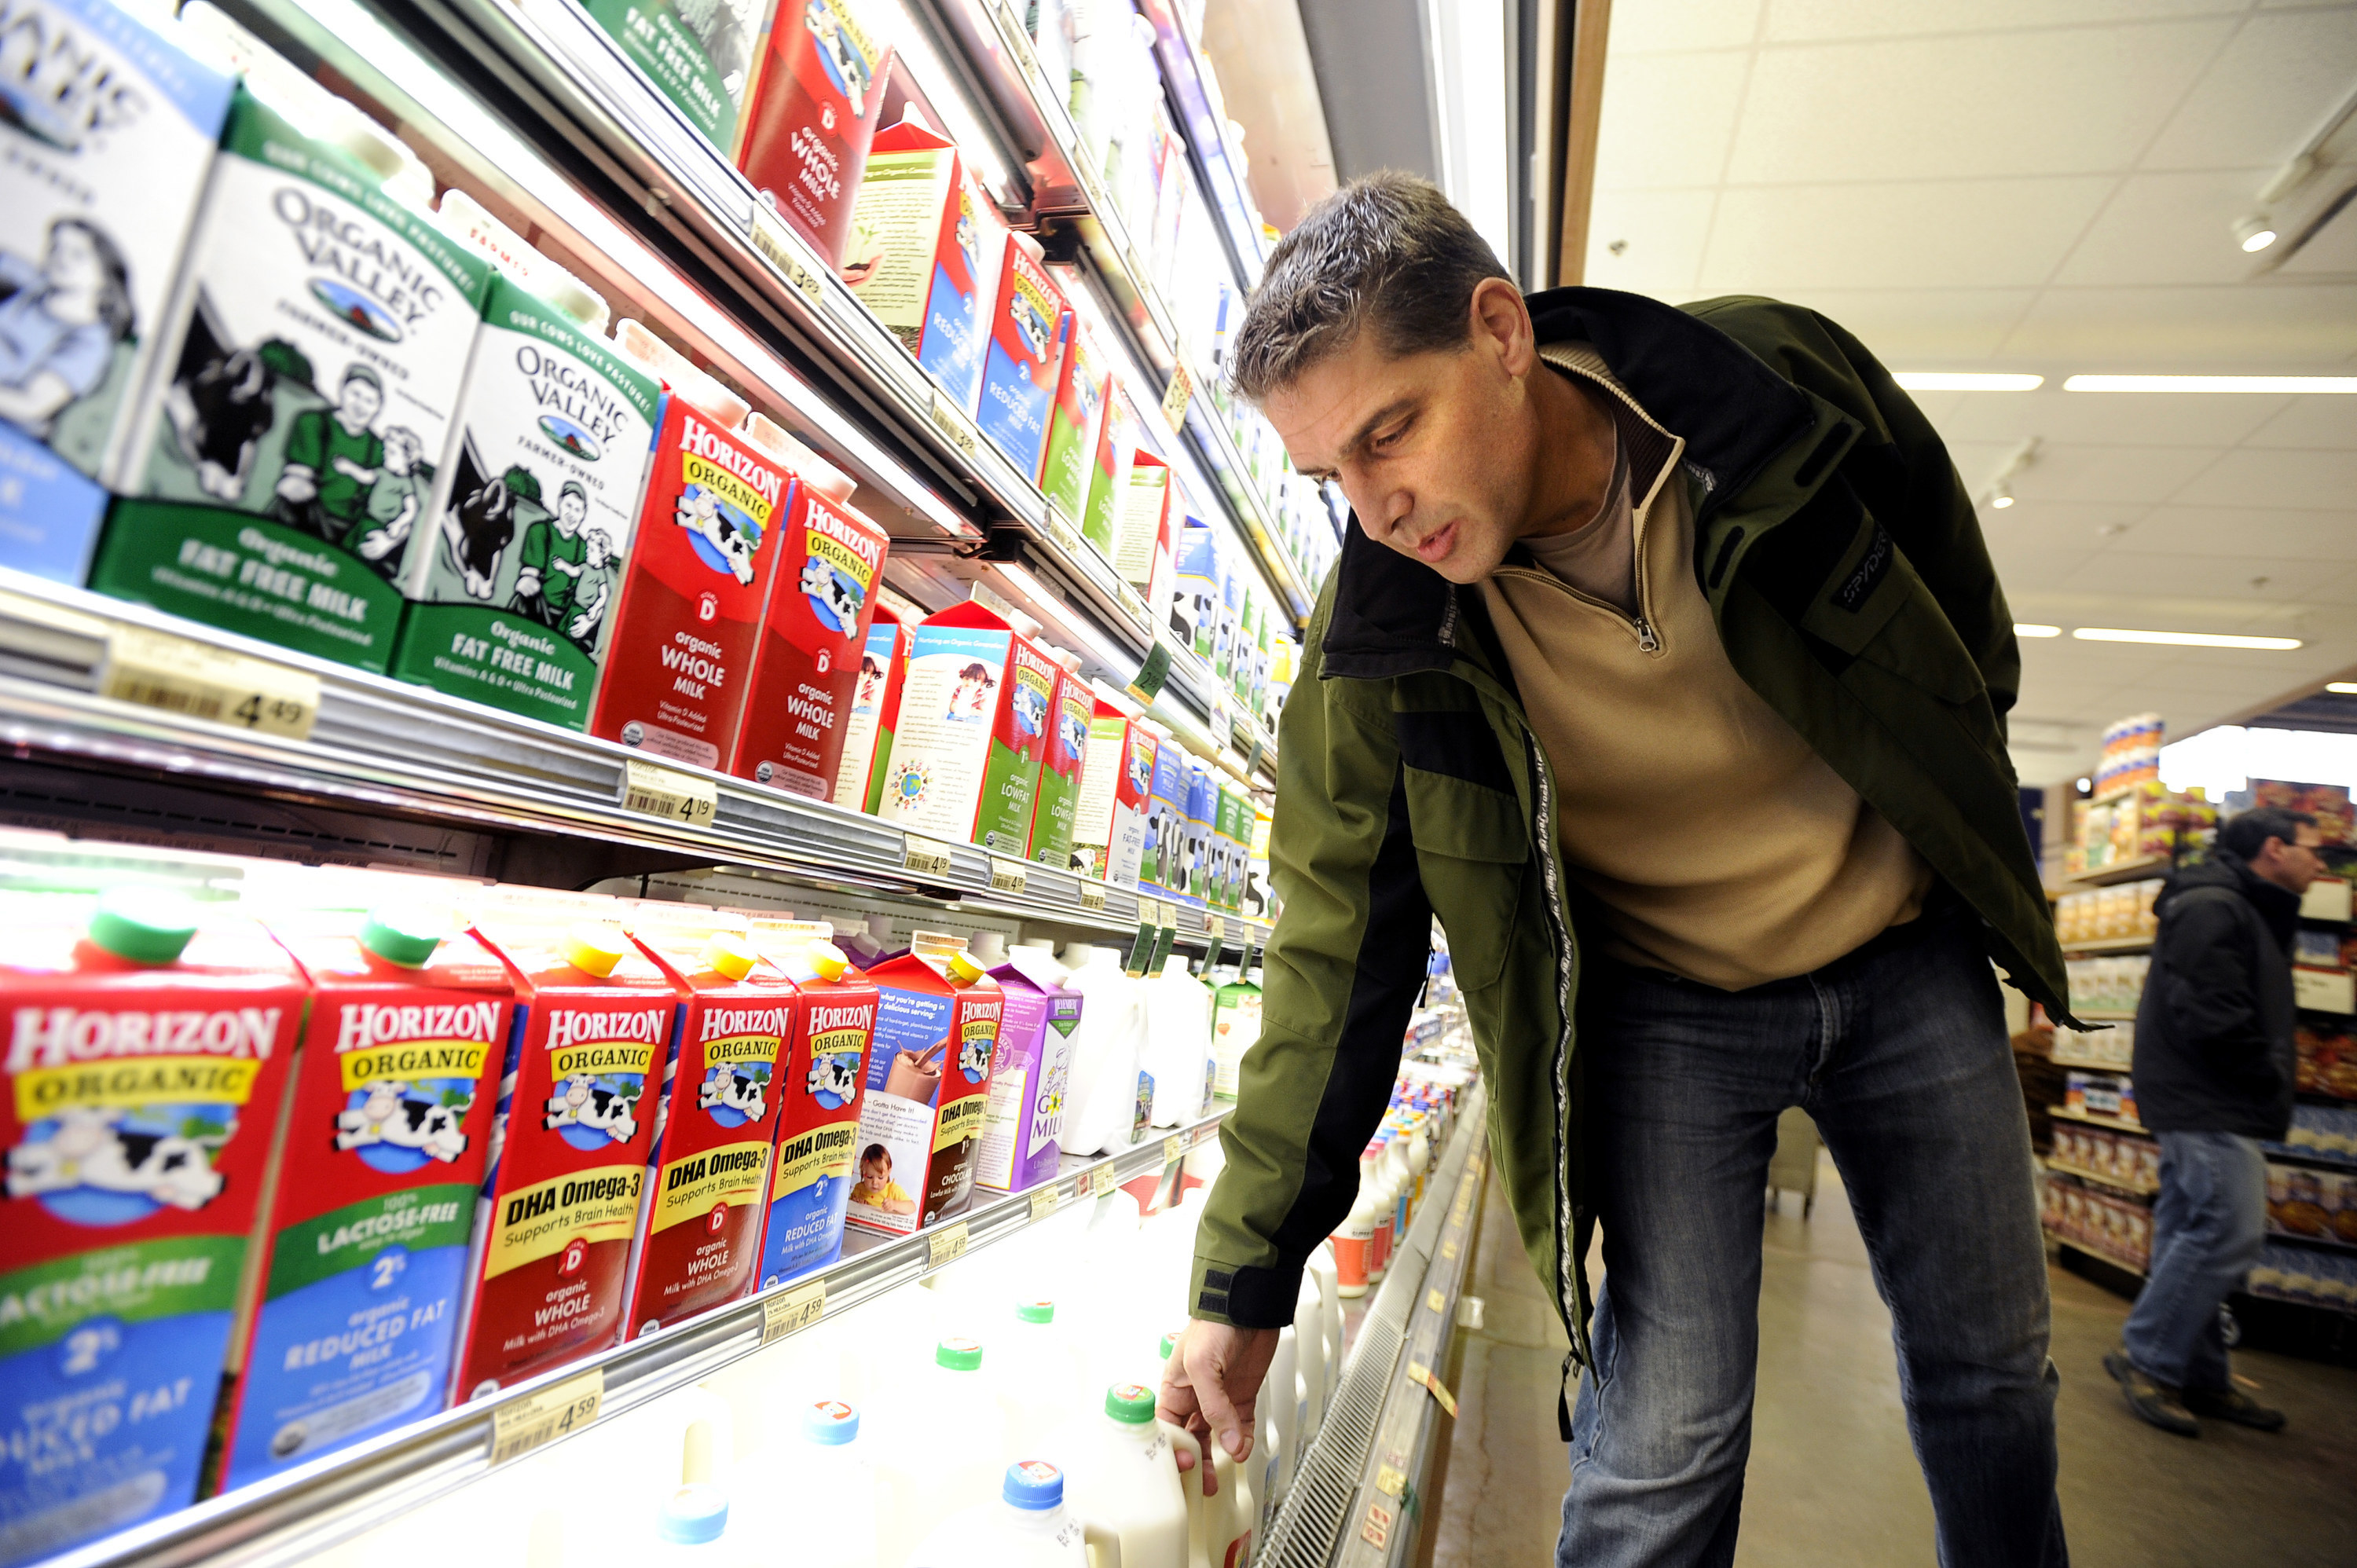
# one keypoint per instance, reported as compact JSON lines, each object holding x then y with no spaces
{"x":1566,"y":1230}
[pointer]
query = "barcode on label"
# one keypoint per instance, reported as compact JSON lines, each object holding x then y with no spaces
{"x":1061,"y":529}
{"x":952,"y":424}
{"x":1007,"y":876}
{"x":789,"y":1310}
{"x":1092,"y":895}
{"x":517,"y":1429}
{"x":947,"y":1243}
{"x":1101,"y":1181}
{"x":923,"y":856}
{"x":773,"y":240}
{"x":191,"y":680}
{"x":1044,"y":1200}
{"x":657,"y":791}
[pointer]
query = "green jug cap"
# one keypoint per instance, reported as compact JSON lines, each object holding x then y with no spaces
{"x":1035,"y":1311}
{"x":1130,"y":1403}
{"x":1169,"y":1345}
{"x":403,"y":936}
{"x":959,"y":1355}
{"x":144,"y":925}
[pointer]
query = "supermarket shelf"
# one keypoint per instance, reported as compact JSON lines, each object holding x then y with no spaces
{"x":2097,"y":1118}
{"x":2286,"y":1297}
{"x":2117,"y":1184}
{"x":384,"y":747}
{"x":2106,"y":1017}
{"x":2141,"y":868}
{"x":308,"y":1509}
{"x":2299,"y":1155}
{"x":1220,"y":163}
{"x":2106,"y":945}
{"x":2322,"y":1243}
{"x":2084,"y":1250}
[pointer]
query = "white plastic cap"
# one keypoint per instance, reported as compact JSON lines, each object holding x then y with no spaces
{"x":988,"y":946}
{"x":808,"y":465}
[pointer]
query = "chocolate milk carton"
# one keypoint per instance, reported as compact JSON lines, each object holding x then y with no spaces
{"x":875,"y":714}
{"x":697,"y":53}
{"x":805,"y":138}
{"x":578,"y":1098}
{"x":1070,"y":712}
{"x":821,"y":1087}
{"x":303,"y":392}
{"x":1023,"y":356}
{"x":823,"y":574}
{"x":928,"y":1087}
{"x":108,"y":130}
{"x":973,"y":724}
{"x":1029,"y":1075}
{"x":699,"y":1238}
{"x":916,"y":254}
{"x":1109,"y":815}
{"x":147,"y":1048}
{"x":364,"y":1251}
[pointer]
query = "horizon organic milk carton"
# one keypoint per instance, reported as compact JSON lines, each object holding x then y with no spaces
{"x":1116,"y":783}
{"x":1146,"y":532}
{"x":362,"y":1255}
{"x":973,"y":724}
{"x":1029,"y":1075}
{"x":1070,"y":712}
{"x":805,"y":137}
{"x":825,"y":568}
{"x":699,"y":1239}
{"x":697,"y":53}
{"x":820,"y":1086}
{"x":1116,"y":450}
{"x":108,"y":130}
{"x":148,"y":1039}
{"x":916,"y":256}
{"x":928,"y":1086}
{"x":303,"y":393}
{"x":1075,"y":420}
{"x":690,"y":617}
{"x":875,"y":714}
{"x":1023,"y":355}
{"x":512,"y":568}
{"x":578,"y":1098}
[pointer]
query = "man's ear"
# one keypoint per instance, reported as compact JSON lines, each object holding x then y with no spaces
{"x":1501,"y":325}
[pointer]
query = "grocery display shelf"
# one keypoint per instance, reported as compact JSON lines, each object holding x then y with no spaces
{"x":2084,"y":1250}
{"x":2141,"y":868}
{"x":2109,"y":1016}
{"x":2107,"y":945}
{"x":2117,"y":1184}
{"x":380,"y":749}
{"x":308,"y":1509}
{"x":2306,"y":1154}
{"x":2322,"y":1243}
{"x":2097,"y":1118}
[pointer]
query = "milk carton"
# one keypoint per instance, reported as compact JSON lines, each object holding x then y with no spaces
{"x":916,"y":254}
{"x":1150,"y":510}
{"x":699,"y":1236}
{"x":689,"y":621}
{"x":1025,"y":1116}
{"x":1117,"y":446}
{"x":303,"y":394}
{"x":1071,"y":711}
{"x":928,"y":1087}
{"x":699,"y":54}
{"x":579,"y":1096}
{"x":1162,"y":866}
{"x":1195,"y":595}
{"x":1109,"y":817}
{"x":1231,"y":845}
{"x":875,"y":714}
{"x":363,"y":1248}
{"x":1075,"y":422}
{"x":145,"y":1059}
{"x":1202,"y":804}
{"x":108,"y":131}
{"x":973,"y":724}
{"x":513,"y":567}
{"x":823,"y":574}
{"x":813,"y":114}
{"x":821,"y":1090}
{"x":1023,"y":356}
{"x":1227,"y":633}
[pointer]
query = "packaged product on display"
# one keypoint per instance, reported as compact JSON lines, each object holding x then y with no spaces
{"x":916,"y":256}
{"x":1075,"y":422}
{"x":964,"y":763}
{"x":1023,"y":356}
{"x":821,"y":1082}
{"x":875,"y":714}
{"x":1071,"y":711}
{"x":928,"y":1086}
{"x":1109,"y":815}
{"x":1162,"y":864}
{"x":819,"y":88}
{"x":1147,"y":528}
{"x":700,"y":56}
{"x":1112,"y":1095}
{"x":1029,"y":1074}
{"x":1235,"y":1029}
{"x":1108,"y":488}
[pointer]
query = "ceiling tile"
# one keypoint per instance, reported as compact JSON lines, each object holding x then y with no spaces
{"x":1921,"y":327}
{"x":2065,"y":527}
{"x":2266,"y":90}
{"x":2112,"y":475}
{"x":2248,"y":327}
{"x":2226,"y":582}
{"x":1952,"y":234}
{"x":1794,"y":20}
{"x":1666,"y":119}
{"x":2167,"y":228}
{"x":2293,"y":477}
{"x":1643,"y":26}
{"x":2066,"y":102}
{"x":2282,"y":535}
{"x":2331,"y":253}
{"x":2322,"y":420}
{"x":1664,"y":231}
{"x":2056,"y":416}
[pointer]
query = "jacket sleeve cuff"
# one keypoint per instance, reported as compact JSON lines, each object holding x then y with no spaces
{"x":1247,"y":1297}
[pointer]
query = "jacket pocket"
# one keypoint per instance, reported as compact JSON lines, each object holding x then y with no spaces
{"x":1472,"y":849}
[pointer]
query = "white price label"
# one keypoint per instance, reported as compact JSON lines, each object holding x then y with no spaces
{"x":779,"y":246}
{"x":655,"y":791}
{"x":1215,"y":928}
{"x":788,"y":1310}
{"x":1045,"y":1199}
{"x":1174,"y":1148}
{"x":924,"y":856}
{"x":1018,"y":44}
{"x":951,"y":422}
{"x":1093,"y":893}
{"x":1101,"y":1181}
{"x":947,"y":1243}
{"x":1061,"y":529}
{"x":1007,"y":876}
{"x":525,"y":1424}
{"x":1175,"y":398}
{"x":194,"y":680}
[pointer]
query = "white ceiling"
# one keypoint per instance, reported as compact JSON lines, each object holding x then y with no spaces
{"x":2044,"y":186}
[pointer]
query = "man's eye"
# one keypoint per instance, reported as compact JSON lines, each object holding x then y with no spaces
{"x":1391,"y":438}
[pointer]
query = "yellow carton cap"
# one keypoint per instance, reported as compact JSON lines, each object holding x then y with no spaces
{"x":826,"y":960}
{"x":965,"y":968}
{"x":594,"y":948}
{"x":729,"y":953}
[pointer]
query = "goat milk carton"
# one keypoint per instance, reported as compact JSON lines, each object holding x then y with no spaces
{"x":1029,"y":1075}
{"x":822,"y":66}
{"x":821,"y":1088}
{"x":513,"y":568}
{"x":1116,"y":782}
{"x":107,"y":133}
{"x":364,"y":1249}
{"x":699,"y":1236}
{"x":915,"y":257}
{"x":1075,"y":422}
{"x":145,"y":1059}
{"x":1023,"y":354}
{"x":928,"y":1087}
{"x":579,"y":1097}
{"x":690,"y":616}
{"x":974,"y":723}
{"x":824,"y":575}
{"x":875,"y":714}
{"x":698,"y":53}
{"x":302,"y":397}
{"x":1069,"y":714}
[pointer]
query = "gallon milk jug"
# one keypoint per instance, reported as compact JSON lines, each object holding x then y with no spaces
{"x":1126,"y":1475}
{"x":1330,"y":1301}
{"x":1283,"y":1397}
{"x":1103,"y":1086}
{"x":1317,"y":1375}
{"x":1178,"y":1043}
{"x":1219,"y":1527}
{"x":691,"y":1523}
{"x":1028,"y":1526}
{"x":1037,"y":1366}
{"x":829,"y":1469}
{"x":943,"y":1451}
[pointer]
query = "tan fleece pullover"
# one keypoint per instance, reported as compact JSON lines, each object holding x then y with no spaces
{"x":1720,"y":847}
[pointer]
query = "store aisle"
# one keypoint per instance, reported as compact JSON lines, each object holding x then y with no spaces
{"x":1832,"y":1480}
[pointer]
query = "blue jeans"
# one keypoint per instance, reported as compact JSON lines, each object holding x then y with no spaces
{"x":1899,"y":1052}
{"x":2208,"y":1224}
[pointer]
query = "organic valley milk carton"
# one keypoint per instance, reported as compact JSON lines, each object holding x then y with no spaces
{"x":1231,"y":847}
{"x":814,"y":114}
{"x":821,"y":1087}
{"x":1075,"y":421}
{"x":1029,"y":1075}
{"x":578,"y":1098}
{"x":1116,"y":785}
{"x":1023,"y":356}
{"x":928,"y":1087}
{"x":699,"y":53}
{"x":875,"y":714}
{"x":823,"y":574}
{"x":690,"y":616}
{"x":147,"y":1046}
{"x":514,"y":566}
{"x":1070,"y":713}
{"x":108,"y":131}
{"x":363,"y":1250}
{"x":699,"y":1238}
{"x":915,"y":256}
{"x":1162,"y":861}
{"x":302,"y":398}
{"x":974,"y":723}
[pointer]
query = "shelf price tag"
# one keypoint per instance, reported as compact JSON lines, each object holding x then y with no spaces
{"x":1018,"y":44}
{"x":1061,"y":529}
{"x":948,"y":1242}
{"x":1151,"y":676}
{"x":953,"y":424}
{"x":1045,"y":1199}
{"x":1390,"y":1481}
{"x":1166,"y":934}
{"x":1176,"y":396}
{"x":926,"y":857}
{"x":1418,"y":1372}
{"x":192,"y":680}
{"x":1101,"y":1181}
{"x":1093,"y":893}
{"x":653,"y":791}
{"x":788,"y":1310}
{"x":528,"y":1424}
{"x":1007,"y":876}
{"x":782,"y":250}
{"x":1174,"y":1149}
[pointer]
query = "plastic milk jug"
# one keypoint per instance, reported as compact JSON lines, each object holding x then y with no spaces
{"x":1330,"y":1301}
{"x":1219,"y":1527}
{"x":1127,"y":1475}
{"x":1178,"y":1042}
{"x":1105,"y":1053}
{"x":1028,"y":1526}
{"x":1287,"y":1399}
{"x":944,"y":1452}
{"x":827,"y":1462}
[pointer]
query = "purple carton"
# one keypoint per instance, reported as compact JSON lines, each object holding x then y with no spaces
{"x":1023,"y":1125}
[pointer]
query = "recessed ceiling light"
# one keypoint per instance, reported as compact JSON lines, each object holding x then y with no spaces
{"x":2001,"y":498}
{"x":2255,"y":233}
{"x":2025,"y":628}
{"x":2211,"y":383}
{"x":2345,"y":688}
{"x":1964,"y":381}
{"x":2182,"y":639}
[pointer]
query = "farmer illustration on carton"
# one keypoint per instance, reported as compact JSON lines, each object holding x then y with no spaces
{"x":332,"y":459}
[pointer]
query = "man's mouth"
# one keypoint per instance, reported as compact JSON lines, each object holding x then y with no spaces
{"x":1435,"y":546}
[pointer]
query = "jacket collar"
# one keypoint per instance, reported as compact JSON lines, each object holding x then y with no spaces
{"x":2278,"y":907}
{"x":1395,"y":616}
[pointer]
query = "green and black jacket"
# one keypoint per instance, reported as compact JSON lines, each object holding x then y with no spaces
{"x":1852,"y":590}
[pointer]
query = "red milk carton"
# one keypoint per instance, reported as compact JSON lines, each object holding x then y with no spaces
{"x":364,"y":1251}
{"x":917,"y":257}
{"x":147,"y":1050}
{"x":875,"y":714}
{"x":822,"y":575}
{"x":805,"y":140}
{"x":1070,"y":713}
{"x":972,"y":724}
{"x":699,"y":1236}
{"x":1022,"y":356}
{"x":560,"y":1203}
{"x":819,"y":1091}
{"x":1146,"y":547}
{"x":1117,"y":784}
{"x":928,"y":1086}
{"x":690,"y":616}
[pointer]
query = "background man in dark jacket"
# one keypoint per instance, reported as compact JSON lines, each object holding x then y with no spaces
{"x":2214,"y":1069}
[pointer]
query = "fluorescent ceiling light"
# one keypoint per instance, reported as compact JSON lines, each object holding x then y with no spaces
{"x":2025,"y":628}
{"x":1964,"y":381}
{"x":2211,"y":383}
{"x":2182,"y":639}
{"x":2345,"y":688}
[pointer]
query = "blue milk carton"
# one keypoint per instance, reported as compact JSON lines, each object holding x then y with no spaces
{"x":1162,"y":865}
